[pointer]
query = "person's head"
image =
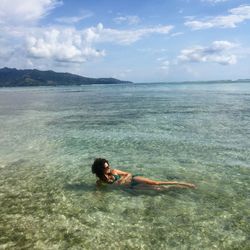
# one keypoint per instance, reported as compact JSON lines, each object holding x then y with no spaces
{"x":100,"y":168}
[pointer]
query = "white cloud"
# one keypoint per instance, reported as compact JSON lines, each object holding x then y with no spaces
{"x":176,"y":34}
{"x":218,"y":52}
{"x":77,"y":46}
{"x":74,"y":19}
{"x":5,"y":50}
{"x":236,"y":16}
{"x":125,"y":37}
{"x":16,"y":11}
{"x":165,"y":65}
{"x":131,"y":20}
{"x":22,"y":40}
{"x":65,"y":45}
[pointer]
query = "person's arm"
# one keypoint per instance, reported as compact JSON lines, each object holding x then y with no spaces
{"x":125,"y":176}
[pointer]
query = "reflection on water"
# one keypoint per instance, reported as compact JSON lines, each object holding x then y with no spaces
{"x":198,"y":133}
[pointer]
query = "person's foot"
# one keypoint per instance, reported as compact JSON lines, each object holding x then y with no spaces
{"x":190,"y":185}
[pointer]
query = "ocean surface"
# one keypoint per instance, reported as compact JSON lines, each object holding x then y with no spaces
{"x":198,"y":133}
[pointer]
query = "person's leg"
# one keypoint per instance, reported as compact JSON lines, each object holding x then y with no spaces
{"x":143,"y":180}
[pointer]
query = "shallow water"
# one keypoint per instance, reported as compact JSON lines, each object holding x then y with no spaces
{"x":198,"y":133}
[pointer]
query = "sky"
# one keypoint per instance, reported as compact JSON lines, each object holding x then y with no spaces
{"x":136,"y":40}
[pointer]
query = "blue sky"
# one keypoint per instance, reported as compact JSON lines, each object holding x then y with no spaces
{"x":141,"y":41}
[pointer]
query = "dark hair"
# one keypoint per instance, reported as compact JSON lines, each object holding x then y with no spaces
{"x":98,"y":168}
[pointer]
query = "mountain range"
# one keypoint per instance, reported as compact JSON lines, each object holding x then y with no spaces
{"x":11,"y":77}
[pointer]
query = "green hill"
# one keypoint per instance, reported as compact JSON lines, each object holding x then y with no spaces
{"x":32,"y":77}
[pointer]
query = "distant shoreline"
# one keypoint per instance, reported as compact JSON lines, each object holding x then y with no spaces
{"x":34,"y":78}
{"x":198,"y":82}
{"x":134,"y":83}
{"x":11,"y":77}
{"x":139,"y":83}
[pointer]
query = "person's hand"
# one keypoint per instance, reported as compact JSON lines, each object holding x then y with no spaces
{"x":124,"y":179}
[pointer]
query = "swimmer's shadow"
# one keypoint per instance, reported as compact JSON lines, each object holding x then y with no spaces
{"x":80,"y":187}
{"x":85,"y":187}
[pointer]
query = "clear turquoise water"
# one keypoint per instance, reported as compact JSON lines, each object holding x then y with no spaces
{"x":198,"y":133}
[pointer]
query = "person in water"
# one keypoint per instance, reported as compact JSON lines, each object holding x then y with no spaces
{"x":106,"y":174}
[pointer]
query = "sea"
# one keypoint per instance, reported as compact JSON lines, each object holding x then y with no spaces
{"x":187,"y":132}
